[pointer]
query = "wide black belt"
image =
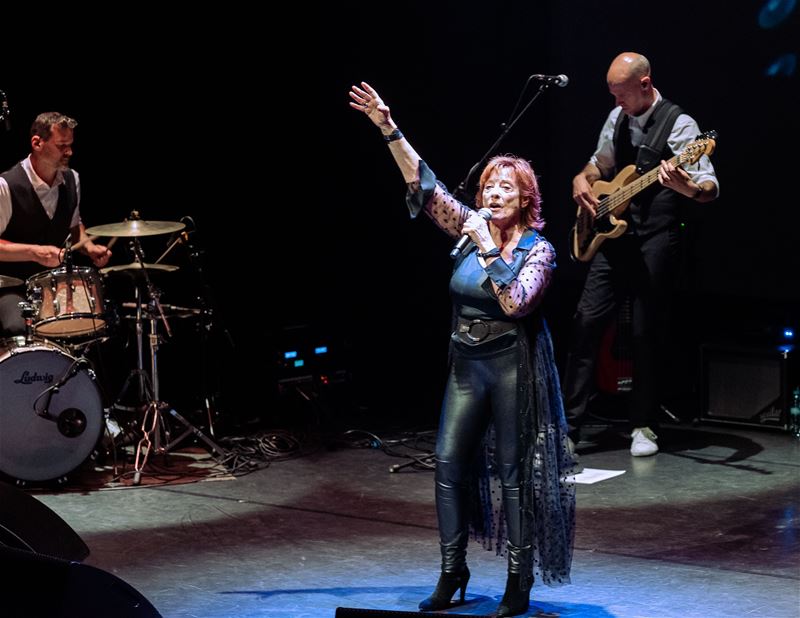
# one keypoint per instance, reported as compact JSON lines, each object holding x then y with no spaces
{"x":475,"y":331}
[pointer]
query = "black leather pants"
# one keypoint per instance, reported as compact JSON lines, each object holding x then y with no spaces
{"x":481,"y":388}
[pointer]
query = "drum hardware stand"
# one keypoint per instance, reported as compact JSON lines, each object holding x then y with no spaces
{"x":153,"y":423}
{"x":138,"y":374}
{"x":28,"y":311}
{"x":207,"y":313}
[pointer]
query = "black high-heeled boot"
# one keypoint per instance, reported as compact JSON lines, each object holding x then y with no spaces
{"x":515,"y":600}
{"x":445,"y":589}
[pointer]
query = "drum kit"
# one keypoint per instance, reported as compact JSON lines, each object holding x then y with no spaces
{"x":52,"y":416}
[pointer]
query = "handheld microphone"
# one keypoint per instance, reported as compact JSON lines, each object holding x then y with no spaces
{"x":557,"y":80}
{"x":485,"y":213}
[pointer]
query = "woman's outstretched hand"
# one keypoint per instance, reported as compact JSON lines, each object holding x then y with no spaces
{"x":367,"y":101}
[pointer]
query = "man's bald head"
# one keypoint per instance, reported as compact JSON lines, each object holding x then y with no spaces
{"x":630,"y":83}
{"x":628,"y":65}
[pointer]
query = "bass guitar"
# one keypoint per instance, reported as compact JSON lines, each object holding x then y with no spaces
{"x":589,"y":232}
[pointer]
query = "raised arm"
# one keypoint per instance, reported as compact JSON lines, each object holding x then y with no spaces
{"x":425,"y":193}
{"x":367,"y":101}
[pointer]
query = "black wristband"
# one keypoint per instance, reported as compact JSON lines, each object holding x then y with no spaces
{"x":394,"y":135}
{"x":494,"y":252}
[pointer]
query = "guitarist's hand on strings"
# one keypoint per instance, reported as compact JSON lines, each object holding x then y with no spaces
{"x":582,"y":191}
{"x":676,"y":179}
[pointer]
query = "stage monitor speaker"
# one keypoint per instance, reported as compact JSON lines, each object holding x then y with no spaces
{"x":36,"y":586}
{"x":26,"y":523}
{"x":746,"y":386}
{"x":353,"y":612}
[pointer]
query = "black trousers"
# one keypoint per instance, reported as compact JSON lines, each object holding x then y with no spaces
{"x":645,"y":270}
{"x":481,"y":388}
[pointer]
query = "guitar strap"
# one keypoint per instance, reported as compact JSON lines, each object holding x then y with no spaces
{"x":652,"y":150}
{"x":660,"y":126}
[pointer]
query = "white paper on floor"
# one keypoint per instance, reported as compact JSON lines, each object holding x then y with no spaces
{"x":593,"y":475}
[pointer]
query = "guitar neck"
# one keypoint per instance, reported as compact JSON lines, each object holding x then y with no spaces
{"x":640,"y":184}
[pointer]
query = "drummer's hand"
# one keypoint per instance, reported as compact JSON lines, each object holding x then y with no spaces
{"x":99,"y":254}
{"x":46,"y":255}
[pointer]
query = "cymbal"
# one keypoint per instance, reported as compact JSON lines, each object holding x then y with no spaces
{"x":135,"y":267}
{"x":9,"y":282}
{"x":136,"y":227}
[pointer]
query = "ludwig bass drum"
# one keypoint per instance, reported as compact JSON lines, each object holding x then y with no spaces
{"x":51,"y":411}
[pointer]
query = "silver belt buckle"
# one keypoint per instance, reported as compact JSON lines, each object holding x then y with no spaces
{"x":480,"y":329}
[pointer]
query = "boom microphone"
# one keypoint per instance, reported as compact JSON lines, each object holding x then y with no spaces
{"x":557,"y":80}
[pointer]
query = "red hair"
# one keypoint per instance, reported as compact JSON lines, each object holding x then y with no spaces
{"x":530,"y":198}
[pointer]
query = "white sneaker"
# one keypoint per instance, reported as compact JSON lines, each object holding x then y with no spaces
{"x":644,"y":442}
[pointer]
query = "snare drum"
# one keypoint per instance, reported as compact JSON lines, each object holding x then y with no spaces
{"x":45,"y":432}
{"x":69,"y":302}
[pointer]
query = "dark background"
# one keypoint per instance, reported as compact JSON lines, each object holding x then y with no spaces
{"x":242,"y":123}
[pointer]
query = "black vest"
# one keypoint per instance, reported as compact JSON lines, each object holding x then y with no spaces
{"x":29,"y":222}
{"x":656,"y":208}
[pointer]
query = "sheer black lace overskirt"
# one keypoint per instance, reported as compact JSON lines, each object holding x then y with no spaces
{"x":548,"y":492}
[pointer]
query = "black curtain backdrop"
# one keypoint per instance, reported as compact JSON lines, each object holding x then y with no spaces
{"x":242,"y":123}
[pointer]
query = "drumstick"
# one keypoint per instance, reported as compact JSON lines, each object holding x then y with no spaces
{"x":80,"y":244}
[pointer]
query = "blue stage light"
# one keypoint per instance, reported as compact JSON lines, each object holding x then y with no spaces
{"x":782,"y":66}
{"x":299,"y":362}
{"x":290,"y":354}
{"x":323,"y":349}
{"x":775,"y":12}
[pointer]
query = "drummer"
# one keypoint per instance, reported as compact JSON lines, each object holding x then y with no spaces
{"x":39,"y":207}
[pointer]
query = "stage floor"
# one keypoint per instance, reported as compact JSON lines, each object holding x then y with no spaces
{"x":709,"y":527}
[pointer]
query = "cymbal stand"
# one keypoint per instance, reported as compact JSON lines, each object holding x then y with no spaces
{"x":138,"y":374}
{"x":210,"y":319}
{"x":152,"y":422}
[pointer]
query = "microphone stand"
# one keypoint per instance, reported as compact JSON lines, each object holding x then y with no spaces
{"x":71,"y":372}
{"x":68,"y":252}
{"x":68,"y":264}
{"x":461,"y":190}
